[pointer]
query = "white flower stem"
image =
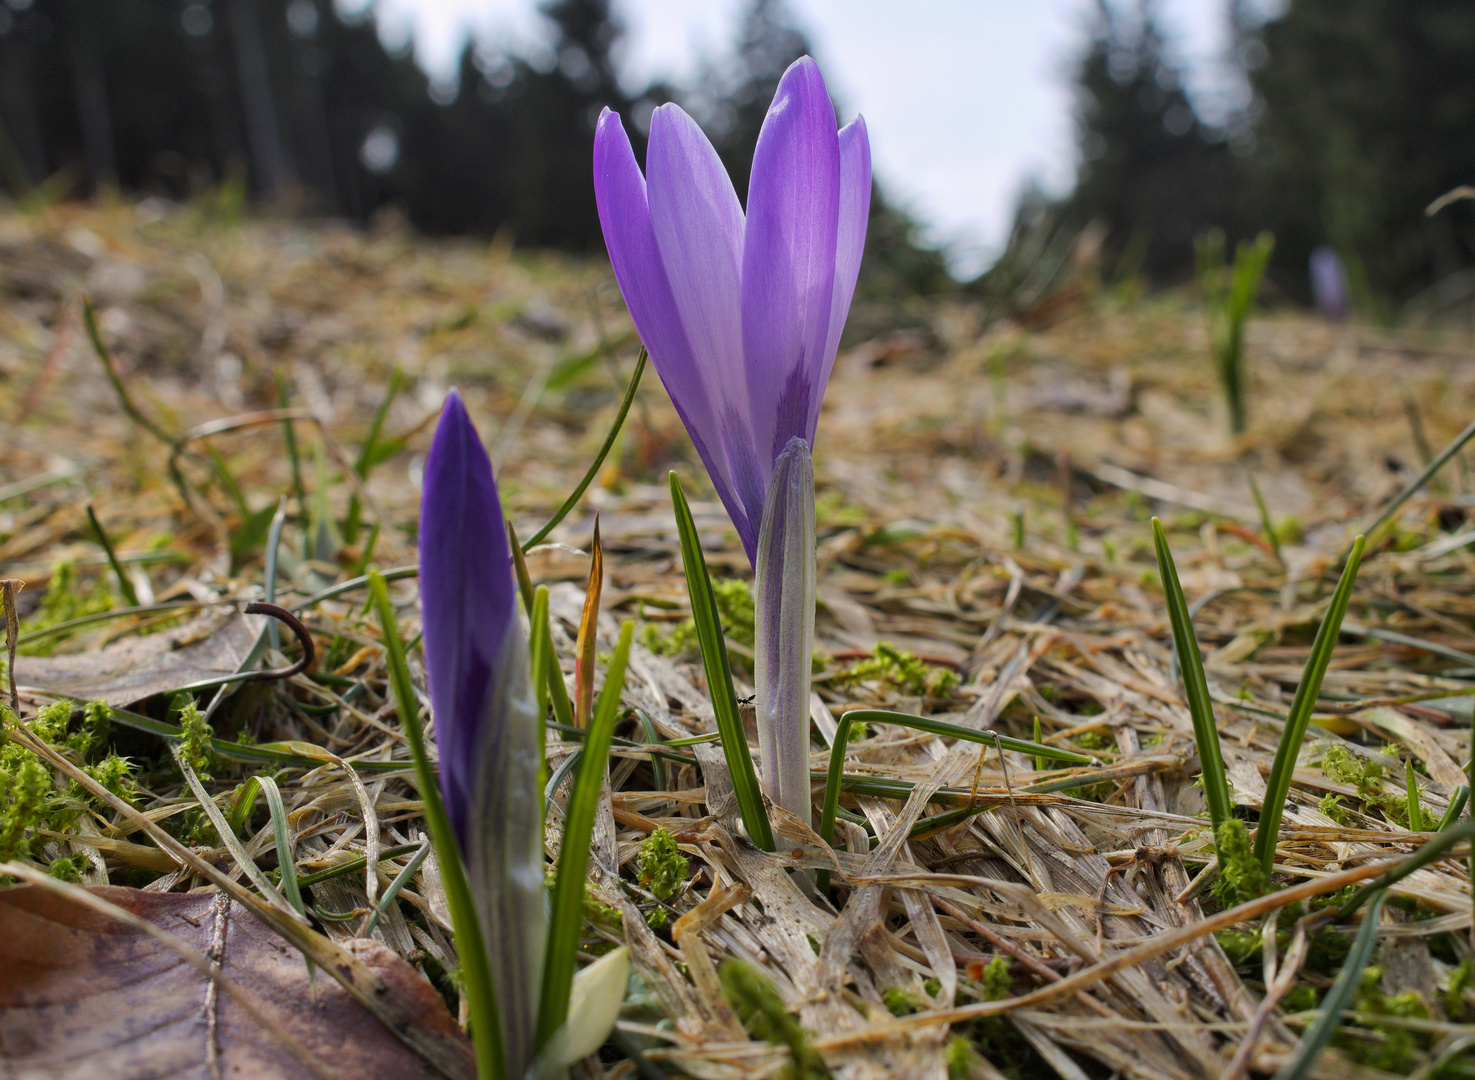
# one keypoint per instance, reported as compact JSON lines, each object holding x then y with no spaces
{"x":784,"y":584}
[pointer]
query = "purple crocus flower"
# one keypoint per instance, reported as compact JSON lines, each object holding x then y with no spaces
{"x":741,"y":313}
{"x":487,"y":726}
{"x":1329,"y":283}
{"x":742,"y":316}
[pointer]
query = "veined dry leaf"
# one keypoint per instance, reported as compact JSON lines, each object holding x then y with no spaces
{"x":139,"y":667}
{"x":83,"y":995}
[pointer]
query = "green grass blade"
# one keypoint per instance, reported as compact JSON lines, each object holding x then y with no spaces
{"x":573,"y":855}
{"x":403,"y":878}
{"x":719,"y":675}
{"x":1411,"y":785}
{"x":652,"y":736}
{"x":244,"y":804}
{"x":1337,"y":998}
{"x":481,"y":995}
{"x":593,"y":471}
{"x":1278,"y":783}
{"x":125,"y":587}
{"x":365,"y":459}
{"x":834,"y":778}
{"x":1432,"y":851}
{"x":1195,"y":683}
{"x":1456,"y":805}
{"x":1265,"y":522}
{"x":563,"y":708}
{"x":1423,"y":478}
{"x":282,"y":829}
{"x":540,"y":655}
{"x":289,"y":433}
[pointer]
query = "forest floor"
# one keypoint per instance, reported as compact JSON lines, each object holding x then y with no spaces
{"x":984,"y":495}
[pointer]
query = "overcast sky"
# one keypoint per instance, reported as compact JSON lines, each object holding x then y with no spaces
{"x":965,"y":100}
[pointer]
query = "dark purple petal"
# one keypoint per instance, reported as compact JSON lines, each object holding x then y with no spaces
{"x":711,"y":399}
{"x":467,"y":597}
{"x":788,"y":281}
{"x":855,"y":211}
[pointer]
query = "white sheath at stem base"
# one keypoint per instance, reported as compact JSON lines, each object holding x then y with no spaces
{"x":784,"y":584}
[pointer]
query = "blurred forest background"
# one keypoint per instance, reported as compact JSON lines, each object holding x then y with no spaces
{"x":1363,"y":111}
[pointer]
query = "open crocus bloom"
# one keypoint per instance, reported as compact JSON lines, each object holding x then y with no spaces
{"x":741,"y":314}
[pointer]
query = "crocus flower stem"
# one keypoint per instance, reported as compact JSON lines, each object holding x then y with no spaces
{"x":784,"y":629}
{"x":481,"y":994}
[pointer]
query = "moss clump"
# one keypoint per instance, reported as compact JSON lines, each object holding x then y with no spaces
{"x":67,"y":598}
{"x":195,"y":747}
{"x":662,"y":866}
{"x":735,"y":610}
{"x":901,"y":669}
{"x":1340,"y":764}
{"x":1331,"y":806}
{"x":1393,"y":1049}
{"x":68,"y":868}
{"x":1241,"y":877}
{"x":765,"y":1016}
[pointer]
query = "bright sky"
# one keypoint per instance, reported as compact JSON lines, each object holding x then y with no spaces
{"x":965,"y":100}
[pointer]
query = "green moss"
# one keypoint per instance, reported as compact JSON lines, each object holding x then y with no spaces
{"x":662,"y":866}
{"x":67,"y":598}
{"x":833,"y":512}
{"x":995,"y":983}
{"x":1460,"y":980}
{"x":197,"y":734}
{"x":900,"y":1002}
{"x":1393,"y":1048}
{"x":1340,"y":764}
{"x":735,"y":610}
{"x":765,"y":1016}
{"x":67,"y":868}
{"x":1331,"y":806}
{"x":901,"y":669}
{"x":1241,"y":877}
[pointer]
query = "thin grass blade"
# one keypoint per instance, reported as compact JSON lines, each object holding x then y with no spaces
{"x":1195,"y":683}
{"x":1456,"y":806}
{"x":1265,"y":522}
{"x":403,"y":878}
{"x":125,"y":586}
{"x":609,"y":441}
{"x":573,"y":856}
{"x":563,"y":708}
{"x":835,"y":778}
{"x":1454,"y":447}
{"x":282,"y":830}
{"x":719,"y":675}
{"x":1278,"y":783}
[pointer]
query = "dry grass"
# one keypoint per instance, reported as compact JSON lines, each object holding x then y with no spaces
{"x":939,"y":448}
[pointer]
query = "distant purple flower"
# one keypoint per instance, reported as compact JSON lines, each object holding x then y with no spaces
{"x":487,"y":728}
{"x":1329,"y":283}
{"x":741,"y":314}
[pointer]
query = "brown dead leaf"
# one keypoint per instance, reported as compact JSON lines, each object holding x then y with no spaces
{"x":84,"y":995}
{"x":128,"y":671}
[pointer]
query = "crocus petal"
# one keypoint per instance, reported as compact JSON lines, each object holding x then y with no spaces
{"x":789,"y":256}
{"x":783,"y":598}
{"x":855,"y":211}
{"x":466,"y":594}
{"x":701,"y":391}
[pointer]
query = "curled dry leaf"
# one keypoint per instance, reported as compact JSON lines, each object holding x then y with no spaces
{"x":85,"y":995}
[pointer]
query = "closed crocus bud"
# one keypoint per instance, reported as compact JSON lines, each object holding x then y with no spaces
{"x":1329,"y":283}
{"x":487,"y":727}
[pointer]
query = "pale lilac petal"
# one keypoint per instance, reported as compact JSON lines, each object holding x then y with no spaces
{"x":700,"y":391}
{"x":855,"y":211}
{"x":789,"y":257}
